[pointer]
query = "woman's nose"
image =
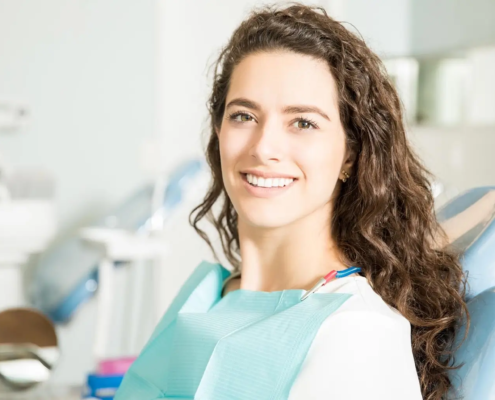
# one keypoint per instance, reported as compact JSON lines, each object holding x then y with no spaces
{"x":268,"y":142}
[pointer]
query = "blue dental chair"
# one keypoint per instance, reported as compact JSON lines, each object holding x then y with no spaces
{"x":476,"y":378}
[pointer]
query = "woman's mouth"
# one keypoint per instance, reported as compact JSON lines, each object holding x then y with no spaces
{"x":266,"y":187}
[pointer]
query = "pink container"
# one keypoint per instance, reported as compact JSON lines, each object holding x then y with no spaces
{"x":115,"y":366}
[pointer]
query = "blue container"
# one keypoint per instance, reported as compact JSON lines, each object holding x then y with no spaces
{"x":101,"y":387}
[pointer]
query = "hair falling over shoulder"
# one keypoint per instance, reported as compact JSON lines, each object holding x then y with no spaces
{"x":384,"y":218}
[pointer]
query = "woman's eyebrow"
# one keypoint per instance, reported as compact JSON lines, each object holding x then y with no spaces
{"x":295,"y":109}
{"x":243,"y":102}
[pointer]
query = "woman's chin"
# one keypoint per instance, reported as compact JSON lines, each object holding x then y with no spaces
{"x":270,"y":221}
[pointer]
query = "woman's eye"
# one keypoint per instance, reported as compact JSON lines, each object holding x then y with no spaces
{"x":241,"y":117}
{"x":304,"y":124}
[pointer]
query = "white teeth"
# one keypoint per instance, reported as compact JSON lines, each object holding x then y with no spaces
{"x":268,"y":182}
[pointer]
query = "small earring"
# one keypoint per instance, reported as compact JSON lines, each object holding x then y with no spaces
{"x":346,"y":176}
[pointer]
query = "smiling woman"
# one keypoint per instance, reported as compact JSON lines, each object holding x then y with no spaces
{"x":322,"y":200}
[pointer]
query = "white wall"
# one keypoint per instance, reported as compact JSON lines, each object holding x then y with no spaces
{"x":385,"y":24}
{"x":85,"y":69}
{"x":450,"y":25}
{"x":461,"y":158}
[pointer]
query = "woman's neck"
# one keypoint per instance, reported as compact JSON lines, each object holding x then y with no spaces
{"x":290,"y":257}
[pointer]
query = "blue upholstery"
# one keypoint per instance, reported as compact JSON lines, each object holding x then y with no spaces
{"x":475,"y":379}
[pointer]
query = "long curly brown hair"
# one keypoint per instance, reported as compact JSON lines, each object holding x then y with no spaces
{"x":384,"y":218}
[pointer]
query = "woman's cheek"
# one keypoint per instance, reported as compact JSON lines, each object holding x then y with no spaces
{"x":321,"y":167}
{"x":231,"y":153}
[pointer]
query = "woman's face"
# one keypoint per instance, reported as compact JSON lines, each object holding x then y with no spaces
{"x":281,"y":122}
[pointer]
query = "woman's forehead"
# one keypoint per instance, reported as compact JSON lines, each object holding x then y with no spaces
{"x":284,"y":78}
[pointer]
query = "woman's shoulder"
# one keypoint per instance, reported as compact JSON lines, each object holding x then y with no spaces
{"x":366,"y":344}
{"x":364,"y":302}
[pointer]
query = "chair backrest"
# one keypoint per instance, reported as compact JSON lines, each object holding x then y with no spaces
{"x":475,"y":379}
{"x":477,"y":243}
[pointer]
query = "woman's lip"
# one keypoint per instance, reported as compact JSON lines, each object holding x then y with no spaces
{"x":262,"y":191}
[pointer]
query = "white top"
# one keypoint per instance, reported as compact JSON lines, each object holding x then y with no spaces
{"x":361,"y":351}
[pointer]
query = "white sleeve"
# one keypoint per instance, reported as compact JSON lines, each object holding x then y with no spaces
{"x":359,"y":355}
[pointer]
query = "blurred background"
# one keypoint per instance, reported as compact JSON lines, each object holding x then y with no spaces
{"x":102,"y":130}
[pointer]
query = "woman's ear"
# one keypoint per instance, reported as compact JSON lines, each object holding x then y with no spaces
{"x":349,"y":161}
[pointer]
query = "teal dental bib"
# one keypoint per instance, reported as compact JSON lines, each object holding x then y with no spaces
{"x":246,"y":345}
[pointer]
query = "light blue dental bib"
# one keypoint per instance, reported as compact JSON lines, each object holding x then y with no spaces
{"x":246,"y":345}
